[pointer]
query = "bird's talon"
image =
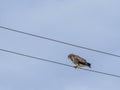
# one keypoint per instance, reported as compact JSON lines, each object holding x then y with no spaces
{"x":75,"y":67}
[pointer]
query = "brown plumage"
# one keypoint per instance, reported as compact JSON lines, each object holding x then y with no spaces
{"x":78,"y":61}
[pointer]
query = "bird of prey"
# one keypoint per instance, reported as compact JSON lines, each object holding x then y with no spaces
{"x":78,"y":61}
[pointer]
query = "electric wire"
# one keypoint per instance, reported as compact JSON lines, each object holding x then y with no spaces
{"x":58,"y":41}
{"x":37,"y":58}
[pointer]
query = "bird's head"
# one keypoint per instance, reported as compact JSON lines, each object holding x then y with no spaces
{"x":70,"y":56}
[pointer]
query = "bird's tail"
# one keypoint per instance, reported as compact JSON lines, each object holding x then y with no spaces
{"x":89,"y":65}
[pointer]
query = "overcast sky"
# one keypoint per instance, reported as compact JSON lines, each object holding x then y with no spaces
{"x":89,"y":23}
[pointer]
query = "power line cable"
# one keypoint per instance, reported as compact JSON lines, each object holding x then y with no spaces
{"x":62,"y":42}
{"x":37,"y":58}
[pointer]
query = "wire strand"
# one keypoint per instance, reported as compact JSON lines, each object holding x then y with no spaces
{"x":37,"y":58}
{"x":62,"y":42}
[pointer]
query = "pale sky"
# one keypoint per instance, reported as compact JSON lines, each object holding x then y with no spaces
{"x":88,"y":23}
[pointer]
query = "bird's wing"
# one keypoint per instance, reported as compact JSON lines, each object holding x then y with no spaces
{"x":80,"y":59}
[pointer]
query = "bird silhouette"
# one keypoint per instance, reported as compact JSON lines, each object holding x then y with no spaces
{"x":78,"y":61}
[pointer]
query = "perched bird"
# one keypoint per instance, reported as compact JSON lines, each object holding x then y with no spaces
{"x":78,"y":61}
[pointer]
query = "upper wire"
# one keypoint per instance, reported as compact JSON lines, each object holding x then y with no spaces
{"x":62,"y":42}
